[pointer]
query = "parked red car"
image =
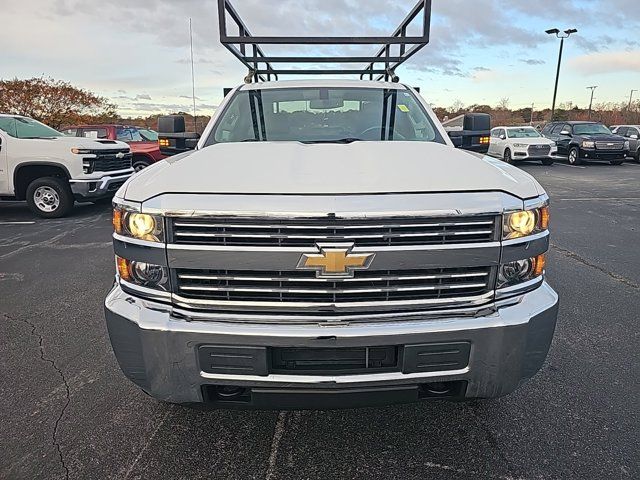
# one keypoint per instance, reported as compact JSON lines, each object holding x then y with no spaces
{"x":143,"y":142}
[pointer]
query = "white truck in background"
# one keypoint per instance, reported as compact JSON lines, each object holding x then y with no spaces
{"x":51,"y":171}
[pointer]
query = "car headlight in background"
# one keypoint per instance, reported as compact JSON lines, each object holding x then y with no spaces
{"x":141,"y":226}
{"x":143,"y":274}
{"x":520,"y":271}
{"x":520,"y":145}
{"x":588,"y":144}
{"x":525,"y":222}
{"x":627,"y":145}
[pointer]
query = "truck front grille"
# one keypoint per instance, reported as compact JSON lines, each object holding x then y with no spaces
{"x":107,"y":161}
{"x":609,"y":145}
{"x":307,"y":233}
{"x":296,"y":287}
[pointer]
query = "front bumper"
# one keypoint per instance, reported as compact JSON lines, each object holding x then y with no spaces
{"x":159,"y":352}
{"x":602,"y":155}
{"x":94,"y":188}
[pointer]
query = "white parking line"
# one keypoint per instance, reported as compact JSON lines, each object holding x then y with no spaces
{"x":17,"y":223}
{"x":570,"y":166}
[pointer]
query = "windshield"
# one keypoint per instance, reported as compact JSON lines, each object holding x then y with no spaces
{"x":21,"y":127}
{"x":322,"y":115}
{"x":128,"y":134}
{"x":523,"y":133}
{"x":148,"y":135}
{"x":590,"y":129}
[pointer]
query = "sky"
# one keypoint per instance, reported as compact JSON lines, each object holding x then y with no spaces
{"x":136,"y":53}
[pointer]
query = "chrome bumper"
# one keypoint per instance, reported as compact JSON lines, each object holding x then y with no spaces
{"x":159,"y":352}
{"x":99,"y":187}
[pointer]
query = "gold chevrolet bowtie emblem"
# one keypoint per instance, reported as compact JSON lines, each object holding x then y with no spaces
{"x":335,"y":260}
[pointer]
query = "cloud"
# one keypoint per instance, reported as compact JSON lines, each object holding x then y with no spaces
{"x":607,"y":62}
{"x":532,"y":61}
{"x":143,"y":96}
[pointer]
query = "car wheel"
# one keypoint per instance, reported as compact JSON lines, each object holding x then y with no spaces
{"x":617,"y":162}
{"x":574,"y":157}
{"x":637,"y":157}
{"x":547,"y":161}
{"x":507,"y":156}
{"x":50,"y":197}
{"x":139,"y":164}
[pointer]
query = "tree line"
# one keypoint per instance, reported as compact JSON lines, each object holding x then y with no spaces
{"x":59,"y":104}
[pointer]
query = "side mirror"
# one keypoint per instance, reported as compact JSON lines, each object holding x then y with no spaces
{"x":477,"y":122}
{"x":633,"y":136}
{"x":503,"y":137}
{"x":172,"y":137}
{"x":566,"y":133}
{"x":475,"y":132}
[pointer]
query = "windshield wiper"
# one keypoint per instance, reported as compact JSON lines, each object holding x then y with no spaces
{"x":337,"y":140}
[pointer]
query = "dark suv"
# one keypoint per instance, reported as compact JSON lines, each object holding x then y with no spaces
{"x":580,"y":141}
{"x":632,"y":134}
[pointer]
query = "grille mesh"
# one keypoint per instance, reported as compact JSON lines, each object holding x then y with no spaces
{"x":302,"y":286}
{"x":307,"y":233}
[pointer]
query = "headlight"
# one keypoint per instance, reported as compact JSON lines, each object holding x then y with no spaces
{"x":138,"y":225}
{"x":520,"y":271}
{"x":525,"y":222}
{"x":520,"y":145}
{"x":80,"y":151}
{"x":627,"y":145}
{"x":588,"y":144}
{"x":143,"y":274}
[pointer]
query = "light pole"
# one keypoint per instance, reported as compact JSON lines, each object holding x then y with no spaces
{"x":631,"y":98}
{"x":591,"y":101}
{"x":567,"y":34}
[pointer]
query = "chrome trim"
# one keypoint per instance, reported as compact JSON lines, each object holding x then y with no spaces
{"x":331,"y":237}
{"x":341,"y":319}
{"x":126,"y":205}
{"x":326,"y":227}
{"x":144,"y":292}
{"x":317,"y":307}
{"x":521,"y":288}
{"x":541,"y":201}
{"x":206,"y":288}
{"x":386,"y":257}
{"x":527,"y":239}
{"x":136,"y":241}
{"x":324,"y":279}
{"x":357,"y":206}
{"x":334,"y":379}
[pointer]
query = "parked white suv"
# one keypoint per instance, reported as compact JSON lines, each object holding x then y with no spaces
{"x":50,"y":171}
{"x":521,"y":143}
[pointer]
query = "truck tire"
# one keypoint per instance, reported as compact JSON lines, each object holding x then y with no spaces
{"x":140,"y":163}
{"x":507,"y":156}
{"x":49,"y":197}
{"x":574,"y":156}
{"x":637,"y":156}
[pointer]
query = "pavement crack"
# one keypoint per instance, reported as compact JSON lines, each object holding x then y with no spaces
{"x":55,"y":442}
{"x":584,"y":261}
{"x":278,"y":432}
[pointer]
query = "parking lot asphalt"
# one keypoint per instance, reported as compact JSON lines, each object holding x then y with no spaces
{"x":68,"y":412}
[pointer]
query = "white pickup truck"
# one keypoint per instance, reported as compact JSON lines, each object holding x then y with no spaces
{"x":327,"y":246}
{"x":50,"y":171}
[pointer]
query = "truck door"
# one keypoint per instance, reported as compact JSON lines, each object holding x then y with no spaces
{"x":564,"y":134}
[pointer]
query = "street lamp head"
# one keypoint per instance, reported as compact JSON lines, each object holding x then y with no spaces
{"x":570,"y":31}
{"x":553,"y":31}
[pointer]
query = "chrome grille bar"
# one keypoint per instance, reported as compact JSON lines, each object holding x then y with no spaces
{"x":306,"y":232}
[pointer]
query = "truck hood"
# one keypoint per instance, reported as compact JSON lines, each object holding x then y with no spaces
{"x":80,"y":142}
{"x":603,"y":137}
{"x":329,"y":169}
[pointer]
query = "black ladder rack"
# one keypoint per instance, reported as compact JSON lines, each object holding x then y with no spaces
{"x":380,"y":66}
